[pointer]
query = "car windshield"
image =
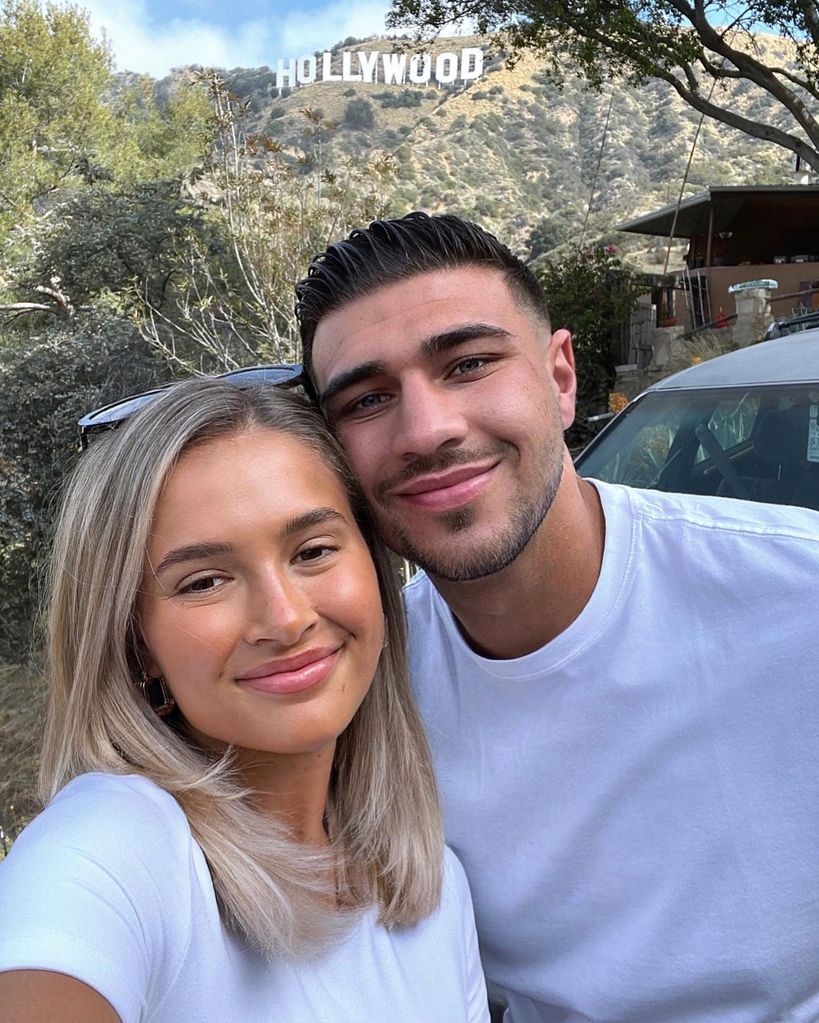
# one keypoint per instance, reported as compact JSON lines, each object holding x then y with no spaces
{"x":757,"y":443}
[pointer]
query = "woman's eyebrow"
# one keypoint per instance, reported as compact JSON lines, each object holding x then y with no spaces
{"x":192,"y":552}
{"x":314,"y":517}
{"x":202,"y":550}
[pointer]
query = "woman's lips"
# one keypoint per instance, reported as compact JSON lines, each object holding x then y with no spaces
{"x":446,"y":491}
{"x":291,"y":675}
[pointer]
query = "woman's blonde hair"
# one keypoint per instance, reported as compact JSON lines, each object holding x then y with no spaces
{"x":383,"y":816}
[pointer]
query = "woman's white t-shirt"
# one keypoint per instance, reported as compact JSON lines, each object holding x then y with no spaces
{"x":108,"y":885}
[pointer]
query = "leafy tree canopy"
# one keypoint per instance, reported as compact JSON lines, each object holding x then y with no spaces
{"x":593,"y":294}
{"x":61,"y":124}
{"x":46,"y":383}
{"x":121,"y":248}
{"x":700,"y":48}
{"x":52,"y":122}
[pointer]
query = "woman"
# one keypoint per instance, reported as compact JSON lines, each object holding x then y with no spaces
{"x":242,"y":821}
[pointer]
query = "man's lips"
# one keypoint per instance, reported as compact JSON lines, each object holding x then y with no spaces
{"x":292,"y":674}
{"x":443,"y":491}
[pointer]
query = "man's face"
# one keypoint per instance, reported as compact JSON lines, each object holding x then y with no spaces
{"x":450,"y":398}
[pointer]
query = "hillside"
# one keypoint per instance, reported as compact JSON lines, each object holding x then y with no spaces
{"x":513,"y":152}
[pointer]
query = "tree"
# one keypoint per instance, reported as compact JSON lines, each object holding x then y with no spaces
{"x":117,"y":248}
{"x":167,"y":135}
{"x":592,"y":294}
{"x":46,"y":383}
{"x":272,"y":208}
{"x":53,"y":124}
{"x":62,"y":123}
{"x":700,"y":48}
{"x":548,"y":233}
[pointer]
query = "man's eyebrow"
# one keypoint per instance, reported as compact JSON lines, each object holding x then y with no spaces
{"x":314,"y":517}
{"x":444,"y":342}
{"x":350,"y":377}
{"x":437,"y":344}
{"x":192,"y":552}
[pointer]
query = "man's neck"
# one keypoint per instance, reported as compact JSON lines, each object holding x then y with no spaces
{"x":522,"y":608}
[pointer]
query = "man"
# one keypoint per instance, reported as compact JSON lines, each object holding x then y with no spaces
{"x":619,"y":686}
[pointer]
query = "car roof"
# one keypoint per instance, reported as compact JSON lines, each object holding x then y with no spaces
{"x":782,"y":360}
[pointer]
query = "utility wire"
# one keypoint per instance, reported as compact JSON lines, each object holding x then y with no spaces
{"x":597,"y":169}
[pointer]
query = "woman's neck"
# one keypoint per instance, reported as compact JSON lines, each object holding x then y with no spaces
{"x":292,"y":789}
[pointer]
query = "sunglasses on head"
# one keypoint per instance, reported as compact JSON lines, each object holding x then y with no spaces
{"x":110,"y":416}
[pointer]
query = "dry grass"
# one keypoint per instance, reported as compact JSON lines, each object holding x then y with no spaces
{"x":708,"y":344}
{"x":21,"y":722}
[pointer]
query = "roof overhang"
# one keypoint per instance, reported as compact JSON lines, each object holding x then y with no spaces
{"x":726,"y":202}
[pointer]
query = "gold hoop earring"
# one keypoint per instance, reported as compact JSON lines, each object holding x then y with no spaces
{"x":156,"y":694}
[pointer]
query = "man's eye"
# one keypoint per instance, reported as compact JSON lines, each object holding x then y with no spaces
{"x":368,"y":402}
{"x":474,"y":362}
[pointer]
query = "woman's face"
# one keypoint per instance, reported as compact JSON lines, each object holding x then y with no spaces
{"x":260,"y":602}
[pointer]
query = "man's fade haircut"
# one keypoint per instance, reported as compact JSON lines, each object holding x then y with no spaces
{"x":393,"y":250}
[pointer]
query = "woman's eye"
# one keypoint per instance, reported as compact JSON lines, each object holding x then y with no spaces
{"x":315,"y":553}
{"x":202,"y":585}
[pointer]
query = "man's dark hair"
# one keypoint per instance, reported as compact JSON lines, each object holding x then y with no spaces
{"x":392,"y":250}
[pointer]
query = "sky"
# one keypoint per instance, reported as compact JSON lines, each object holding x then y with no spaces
{"x":153,"y":36}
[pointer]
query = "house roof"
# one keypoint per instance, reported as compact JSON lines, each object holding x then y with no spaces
{"x":728,"y":201}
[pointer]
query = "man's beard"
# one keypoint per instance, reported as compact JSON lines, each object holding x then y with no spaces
{"x":495,"y":554}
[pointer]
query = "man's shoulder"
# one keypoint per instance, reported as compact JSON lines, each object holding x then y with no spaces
{"x":419,"y":595}
{"x":429,"y":622}
{"x":716,"y":515}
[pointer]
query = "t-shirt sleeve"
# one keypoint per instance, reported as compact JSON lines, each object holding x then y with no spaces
{"x":477,"y":1001}
{"x":93,"y":889}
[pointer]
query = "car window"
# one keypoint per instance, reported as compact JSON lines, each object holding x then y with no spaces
{"x":732,"y":421}
{"x":758,"y":443}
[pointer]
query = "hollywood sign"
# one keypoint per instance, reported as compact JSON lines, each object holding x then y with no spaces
{"x":393,"y":68}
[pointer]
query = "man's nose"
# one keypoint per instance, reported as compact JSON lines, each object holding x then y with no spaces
{"x":430,"y":417}
{"x":280,"y":609}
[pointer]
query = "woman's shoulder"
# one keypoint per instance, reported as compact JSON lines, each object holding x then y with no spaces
{"x":101,"y":886}
{"x":110,"y":851}
{"x":456,"y":899}
{"x":113,"y":830}
{"x":104,"y":808}
{"x":131,"y":793}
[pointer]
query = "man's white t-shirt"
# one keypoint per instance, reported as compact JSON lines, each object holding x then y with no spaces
{"x":636,"y":804}
{"x":107,"y":885}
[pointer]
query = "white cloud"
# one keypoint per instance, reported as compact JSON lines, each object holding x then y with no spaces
{"x":322,"y":28}
{"x":145,"y":44}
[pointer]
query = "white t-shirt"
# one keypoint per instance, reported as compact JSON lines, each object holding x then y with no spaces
{"x":107,"y":885}
{"x":636,"y":804}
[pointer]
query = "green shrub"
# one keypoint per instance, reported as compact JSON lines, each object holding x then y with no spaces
{"x":21,"y":723}
{"x":359,"y":114}
{"x":46,"y":384}
{"x":592,"y":294}
{"x":400,"y":98}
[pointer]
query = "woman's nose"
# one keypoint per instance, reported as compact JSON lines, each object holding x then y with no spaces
{"x":280,"y":610}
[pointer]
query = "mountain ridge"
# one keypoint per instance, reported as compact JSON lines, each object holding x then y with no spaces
{"x":516,"y":153}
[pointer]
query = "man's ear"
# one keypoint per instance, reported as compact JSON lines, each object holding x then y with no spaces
{"x":560,"y":356}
